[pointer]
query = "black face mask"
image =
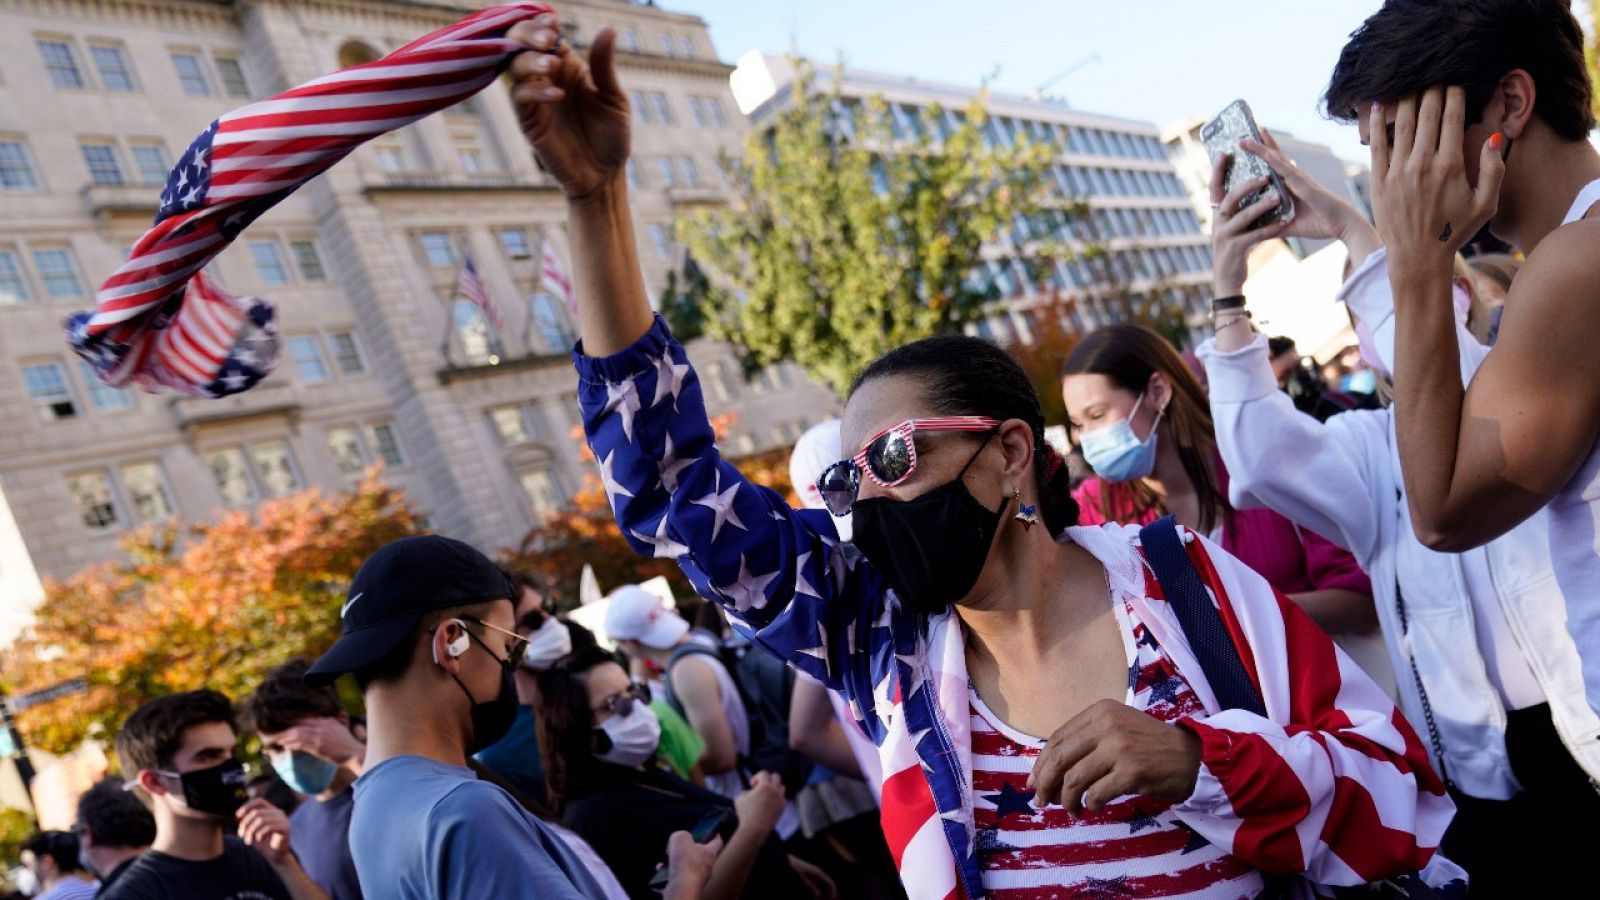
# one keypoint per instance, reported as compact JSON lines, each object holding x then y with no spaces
{"x":932,"y":549}
{"x":218,"y":790}
{"x":491,"y":719}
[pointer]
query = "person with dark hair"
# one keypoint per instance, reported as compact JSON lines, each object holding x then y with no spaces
{"x":599,"y":738}
{"x":180,"y":751}
{"x":1479,"y":112}
{"x":1477,"y":638}
{"x":981,"y":618}
{"x":428,"y":633}
{"x":515,"y":757}
{"x":1145,"y":427}
{"x":52,"y":857}
{"x":112,"y":829}
{"x":305,"y":736}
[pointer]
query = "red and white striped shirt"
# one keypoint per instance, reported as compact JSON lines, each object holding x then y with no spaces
{"x":1134,"y":847}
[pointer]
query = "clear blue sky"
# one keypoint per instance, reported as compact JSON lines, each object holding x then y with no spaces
{"x":1160,"y":60}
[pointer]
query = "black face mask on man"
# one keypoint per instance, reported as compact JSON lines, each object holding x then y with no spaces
{"x":491,"y":719}
{"x":931,"y":548}
{"x":219,"y":789}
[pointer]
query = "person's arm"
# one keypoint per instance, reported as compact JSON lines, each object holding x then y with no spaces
{"x":697,"y":688}
{"x":1478,"y":461}
{"x":816,"y":732}
{"x":1340,"y":599}
{"x":265,"y":828}
{"x":1334,"y":782}
{"x":778,"y":573}
{"x":758,"y":808}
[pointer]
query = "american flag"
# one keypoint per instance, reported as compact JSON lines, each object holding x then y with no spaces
{"x":158,"y":320}
{"x":471,"y":287}
{"x":555,"y":277}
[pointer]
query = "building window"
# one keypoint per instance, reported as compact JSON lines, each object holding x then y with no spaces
{"x":191,"y":74}
{"x":688,"y":171}
{"x":59,"y":273}
{"x":307,"y":359}
{"x":552,"y":323}
{"x":667,"y":46}
{"x":470,"y":157}
{"x":16,"y":170}
{"x":150,"y":161}
{"x":437,"y":249}
{"x":49,"y":391}
{"x":721,"y":380}
{"x":686,"y":46}
{"x":346,"y":450}
{"x":275,"y":467}
{"x":669,"y":175}
{"x":61,"y":63}
{"x":633,"y":174}
{"x":514,"y":241}
{"x":103,"y":397}
{"x":701,"y":119}
{"x":347,"y":353}
{"x":102,"y":162}
{"x":91,"y":491}
{"x":232,"y":476}
{"x":477,"y":342}
{"x":384,"y":441}
{"x":308,"y":260}
{"x":269,"y":263}
{"x":744,"y":445}
{"x":543,"y":491}
{"x":714,"y":107}
{"x":147,"y":492}
{"x":232,"y":75}
{"x":112,"y":63}
{"x":663,"y":109}
{"x":13,"y":287}
{"x":641,"y":107}
{"x":630,"y":40}
{"x":511,"y":424}
{"x":390,"y":157}
{"x":662,"y":240}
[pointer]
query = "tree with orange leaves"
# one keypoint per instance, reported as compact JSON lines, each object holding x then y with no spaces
{"x":210,"y":605}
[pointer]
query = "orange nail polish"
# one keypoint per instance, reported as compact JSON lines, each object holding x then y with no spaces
{"x":1496,"y":139}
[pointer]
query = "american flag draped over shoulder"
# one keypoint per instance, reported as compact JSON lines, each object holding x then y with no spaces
{"x":159,"y":320}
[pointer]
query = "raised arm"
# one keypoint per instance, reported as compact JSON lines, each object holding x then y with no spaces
{"x":777,"y":572}
{"x":1479,"y":460}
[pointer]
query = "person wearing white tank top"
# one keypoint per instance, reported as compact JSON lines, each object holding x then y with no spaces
{"x":1480,"y":117}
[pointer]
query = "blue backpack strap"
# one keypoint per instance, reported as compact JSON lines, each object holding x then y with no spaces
{"x":1201,"y":621}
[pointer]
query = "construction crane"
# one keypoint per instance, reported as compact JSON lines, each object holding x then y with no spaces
{"x":1038,"y":92}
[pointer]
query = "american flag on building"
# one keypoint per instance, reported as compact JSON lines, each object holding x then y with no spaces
{"x":159,"y":321}
{"x":472,"y":289}
{"x":554,"y":275}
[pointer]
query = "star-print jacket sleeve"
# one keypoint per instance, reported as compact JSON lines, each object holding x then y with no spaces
{"x":780,"y":573}
{"x":1334,"y":782}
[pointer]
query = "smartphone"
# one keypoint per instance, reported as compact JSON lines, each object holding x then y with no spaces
{"x":720,"y":823}
{"x":1222,"y":135}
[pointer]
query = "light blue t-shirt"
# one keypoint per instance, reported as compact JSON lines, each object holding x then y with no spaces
{"x":426,"y":830}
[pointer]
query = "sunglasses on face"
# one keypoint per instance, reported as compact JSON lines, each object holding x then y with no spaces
{"x":621,"y":703}
{"x":889,"y":457}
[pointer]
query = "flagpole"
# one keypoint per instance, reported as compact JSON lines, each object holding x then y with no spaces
{"x":449,"y":314}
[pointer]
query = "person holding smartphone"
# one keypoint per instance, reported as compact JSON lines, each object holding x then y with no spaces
{"x":1477,"y":638}
{"x":980,"y":619}
{"x":600,"y":737}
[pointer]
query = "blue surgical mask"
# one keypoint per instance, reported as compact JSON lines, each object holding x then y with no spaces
{"x":303,"y":772}
{"x":1116,"y":453}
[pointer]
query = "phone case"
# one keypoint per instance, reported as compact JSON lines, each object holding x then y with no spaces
{"x":1222,"y":135}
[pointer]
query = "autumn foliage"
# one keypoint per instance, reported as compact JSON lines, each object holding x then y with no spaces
{"x":198,"y":605}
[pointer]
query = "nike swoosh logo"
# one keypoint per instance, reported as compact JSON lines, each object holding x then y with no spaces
{"x":349,"y":603}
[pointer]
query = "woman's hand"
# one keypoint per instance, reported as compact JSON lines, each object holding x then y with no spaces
{"x":689,"y":865}
{"x":1231,"y":235}
{"x":1110,"y":750}
{"x":575,"y":114}
{"x":1318,"y":212}
{"x":760,"y":806}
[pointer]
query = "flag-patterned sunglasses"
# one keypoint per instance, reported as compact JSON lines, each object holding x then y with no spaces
{"x":889,"y":457}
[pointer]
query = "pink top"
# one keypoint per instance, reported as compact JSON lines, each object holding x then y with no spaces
{"x":1292,"y":559}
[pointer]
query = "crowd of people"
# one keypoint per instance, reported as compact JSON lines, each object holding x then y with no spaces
{"x":1295,"y":636}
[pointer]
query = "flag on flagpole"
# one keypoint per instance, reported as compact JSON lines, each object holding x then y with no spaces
{"x":554,"y":276}
{"x":472,"y":288}
{"x":160,"y":321}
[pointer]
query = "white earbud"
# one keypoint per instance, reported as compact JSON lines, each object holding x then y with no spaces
{"x":458,"y":646}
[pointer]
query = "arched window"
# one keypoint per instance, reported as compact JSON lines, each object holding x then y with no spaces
{"x":478,"y":343}
{"x":354,"y":53}
{"x":550,"y":321}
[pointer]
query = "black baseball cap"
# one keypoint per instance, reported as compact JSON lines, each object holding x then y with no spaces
{"x":394,"y":587}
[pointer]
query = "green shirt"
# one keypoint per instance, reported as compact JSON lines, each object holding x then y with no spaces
{"x":680,"y":745}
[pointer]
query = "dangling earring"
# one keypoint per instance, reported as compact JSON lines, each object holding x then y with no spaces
{"x":1027,"y":514}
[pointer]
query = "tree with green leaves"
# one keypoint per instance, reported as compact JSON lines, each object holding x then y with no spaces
{"x":856,"y":228}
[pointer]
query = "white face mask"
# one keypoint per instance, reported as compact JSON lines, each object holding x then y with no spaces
{"x":634,"y":737}
{"x":546,"y":645}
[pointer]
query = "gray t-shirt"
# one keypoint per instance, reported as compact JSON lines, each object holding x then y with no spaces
{"x":426,"y":830}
